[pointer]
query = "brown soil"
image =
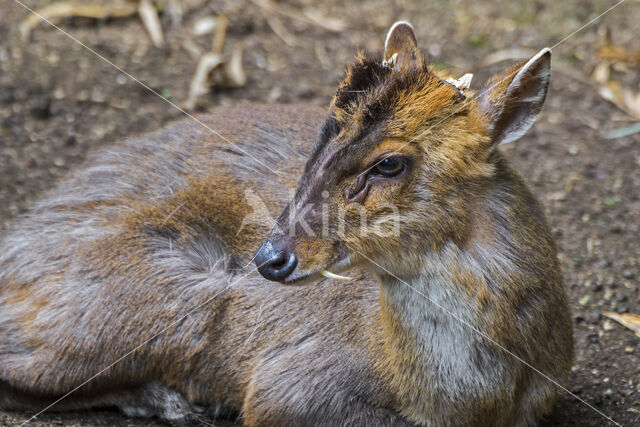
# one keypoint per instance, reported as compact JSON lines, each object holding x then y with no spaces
{"x":58,"y":101}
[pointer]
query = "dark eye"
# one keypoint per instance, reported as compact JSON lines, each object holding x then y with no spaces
{"x":391,"y":166}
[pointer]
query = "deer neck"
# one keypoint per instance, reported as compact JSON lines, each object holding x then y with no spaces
{"x":433,"y":311}
{"x":433,"y":343}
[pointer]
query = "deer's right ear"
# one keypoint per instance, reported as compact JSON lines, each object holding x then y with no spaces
{"x":513,"y":101}
{"x":400,"y":47}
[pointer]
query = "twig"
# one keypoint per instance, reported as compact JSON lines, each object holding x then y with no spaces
{"x":219,"y":35}
{"x":280,"y":30}
{"x":309,"y":16}
{"x":149,"y":16}
{"x":84,"y":10}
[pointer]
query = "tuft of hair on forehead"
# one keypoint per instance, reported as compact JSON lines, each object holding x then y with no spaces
{"x":361,"y":76}
{"x":372,"y":92}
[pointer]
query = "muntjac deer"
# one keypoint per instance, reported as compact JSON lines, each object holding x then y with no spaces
{"x":455,"y":308}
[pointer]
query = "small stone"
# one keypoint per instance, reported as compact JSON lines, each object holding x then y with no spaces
{"x":607,"y":325}
{"x":71,"y":140}
{"x":58,"y":93}
{"x":617,"y":229}
{"x":59,"y":161}
{"x":597,"y":399}
{"x":41,"y":107}
{"x":8,"y":95}
{"x":628,"y":274}
{"x":98,"y":96}
{"x":622,"y":309}
{"x":608,"y":393}
{"x":628,"y":349}
{"x":593,"y":338}
{"x":574,"y":150}
{"x":594,"y":317}
{"x":608,"y":293}
{"x":121,"y":79}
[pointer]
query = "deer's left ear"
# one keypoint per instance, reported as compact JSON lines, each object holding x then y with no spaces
{"x":513,"y":101}
{"x":400,"y":46}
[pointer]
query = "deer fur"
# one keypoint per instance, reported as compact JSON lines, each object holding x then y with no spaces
{"x":148,"y":239}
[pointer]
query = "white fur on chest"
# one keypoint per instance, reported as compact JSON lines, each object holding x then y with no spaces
{"x":440,"y":315}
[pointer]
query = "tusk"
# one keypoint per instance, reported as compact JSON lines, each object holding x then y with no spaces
{"x":330,"y":275}
{"x":463,"y":82}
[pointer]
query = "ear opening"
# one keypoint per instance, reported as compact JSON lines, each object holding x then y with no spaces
{"x":514,"y":100}
{"x":400,"y":46}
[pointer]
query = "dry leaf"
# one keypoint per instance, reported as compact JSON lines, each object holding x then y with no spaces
{"x":308,"y":15}
{"x":203,"y":78}
{"x":204,"y":25}
{"x":625,"y":99}
{"x":234,"y":73}
{"x":622,"y":132}
{"x":149,"y":15}
{"x":212,"y":68}
{"x":175,"y":12}
{"x":617,"y":53}
{"x":192,"y":48}
{"x":628,"y":320}
{"x":200,"y":81}
{"x":632,"y":102}
{"x":601,"y":73}
{"x":281,"y":31}
{"x":54,"y":11}
{"x":219,"y":35}
{"x":507,"y":54}
{"x":317,"y":17}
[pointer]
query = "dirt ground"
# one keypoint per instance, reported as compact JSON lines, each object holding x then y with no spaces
{"x":58,"y":101}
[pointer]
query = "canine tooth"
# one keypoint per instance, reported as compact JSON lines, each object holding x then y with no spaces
{"x":330,"y":275}
{"x":463,"y":82}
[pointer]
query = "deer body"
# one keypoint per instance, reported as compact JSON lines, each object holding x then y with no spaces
{"x":147,"y":248}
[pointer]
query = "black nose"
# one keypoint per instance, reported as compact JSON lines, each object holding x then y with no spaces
{"x":275,"y":263}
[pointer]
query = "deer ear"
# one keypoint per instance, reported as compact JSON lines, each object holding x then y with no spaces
{"x":513,"y":101}
{"x":400,"y":47}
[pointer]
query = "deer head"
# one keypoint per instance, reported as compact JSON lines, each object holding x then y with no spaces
{"x":396,"y":161}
